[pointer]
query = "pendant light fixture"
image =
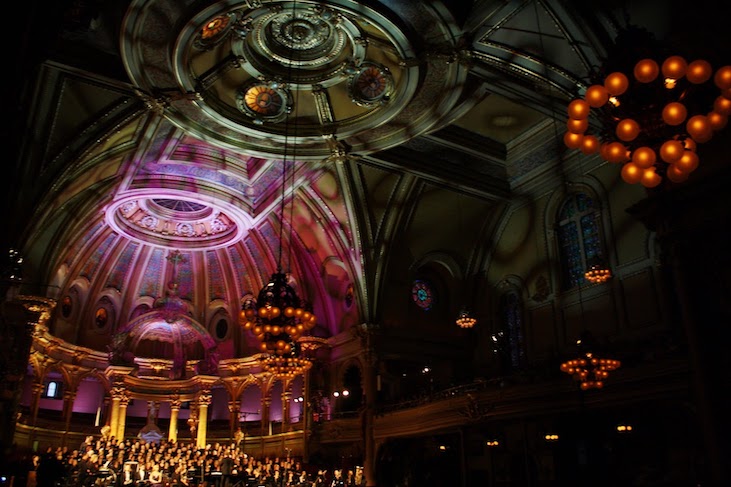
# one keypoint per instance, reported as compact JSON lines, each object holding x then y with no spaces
{"x":278,"y":317}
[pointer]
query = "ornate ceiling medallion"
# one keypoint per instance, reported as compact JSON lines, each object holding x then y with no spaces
{"x":175,"y":223}
{"x":264,"y":102}
{"x":214,"y":31}
{"x":371,"y":85}
{"x":351,"y":68}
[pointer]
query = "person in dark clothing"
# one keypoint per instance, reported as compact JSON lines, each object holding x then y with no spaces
{"x":50,"y":470}
{"x":227,"y":466}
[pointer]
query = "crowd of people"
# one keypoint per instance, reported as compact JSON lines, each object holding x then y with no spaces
{"x":137,"y":463}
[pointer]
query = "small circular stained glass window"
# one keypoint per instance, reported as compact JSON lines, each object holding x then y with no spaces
{"x":214,"y":27}
{"x":214,"y":31}
{"x":422,"y":294}
{"x":372,"y":84}
{"x":264,"y":102}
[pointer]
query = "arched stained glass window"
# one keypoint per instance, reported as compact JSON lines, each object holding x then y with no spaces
{"x":511,"y":315}
{"x":53,"y":390}
{"x":579,"y":237}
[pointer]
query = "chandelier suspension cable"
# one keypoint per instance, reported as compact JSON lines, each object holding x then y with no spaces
{"x":277,"y":317}
{"x":596,"y":269}
{"x":588,"y":369}
{"x":294,"y":155}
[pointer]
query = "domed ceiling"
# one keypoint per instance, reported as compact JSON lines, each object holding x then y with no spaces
{"x":231,"y":172}
{"x":292,"y":78}
{"x":238,"y":138}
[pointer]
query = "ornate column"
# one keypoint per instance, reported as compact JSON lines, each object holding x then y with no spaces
{"x":370,"y":362}
{"x":306,"y":418}
{"x":175,"y":404}
{"x":37,"y":391}
{"x":266,"y":402}
{"x":234,"y":407}
{"x":69,"y":397}
{"x":286,"y":399}
{"x":204,"y":400}
{"x":193,"y":420}
{"x":117,"y":393}
{"x":21,"y":319}
{"x":124,"y":401}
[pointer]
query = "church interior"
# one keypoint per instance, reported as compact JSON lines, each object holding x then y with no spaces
{"x":450,"y":243}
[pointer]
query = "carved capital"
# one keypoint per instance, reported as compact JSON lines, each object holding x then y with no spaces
{"x":204,"y":399}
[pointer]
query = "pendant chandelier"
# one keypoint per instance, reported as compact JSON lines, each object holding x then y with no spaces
{"x":277,"y":317}
{"x":653,"y":109}
{"x":285,"y":367}
{"x":588,"y":368}
{"x":465,"y":319}
{"x":597,"y":271}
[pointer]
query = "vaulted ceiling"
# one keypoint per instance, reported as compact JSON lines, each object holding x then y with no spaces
{"x":310,"y":136}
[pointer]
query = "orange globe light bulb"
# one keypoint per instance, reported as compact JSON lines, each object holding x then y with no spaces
{"x":722,"y":105}
{"x":589,"y":144}
{"x":579,"y":109}
{"x":722,"y":78}
{"x":699,"y":128}
{"x":688,"y":162}
{"x":627,"y":130}
{"x":577,"y":126}
{"x":644,"y":157}
{"x":631,"y":173}
{"x":572,"y":141}
{"x":650,"y":178}
{"x":716,"y":120}
{"x":676,"y":175}
{"x":616,"y":83}
{"x":603,"y":150}
{"x":616,"y":152}
{"x":596,"y":96}
{"x":689,"y":144}
{"x":674,"y":67}
{"x":671,"y":151}
{"x":674,"y":113}
{"x":646,"y":70}
{"x":699,"y":71}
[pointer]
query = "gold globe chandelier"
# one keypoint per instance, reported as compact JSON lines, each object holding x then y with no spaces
{"x":597,"y":271}
{"x":653,"y":111}
{"x":588,"y":369}
{"x":465,"y":319}
{"x":277,"y":317}
{"x":285,"y":367}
